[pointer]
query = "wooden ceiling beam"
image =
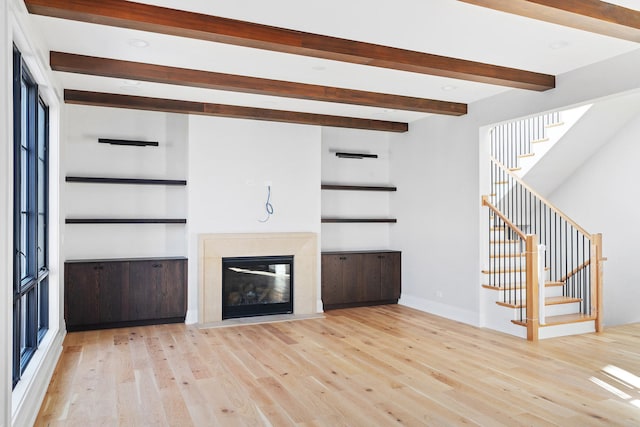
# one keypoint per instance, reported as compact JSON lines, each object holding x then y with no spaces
{"x":181,"y":23}
{"x":104,"y":67}
{"x":220,"y":110}
{"x":589,"y":15}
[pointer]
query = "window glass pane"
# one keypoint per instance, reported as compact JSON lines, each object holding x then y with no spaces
{"x":23,"y":246}
{"x":24,"y":178}
{"x":24,"y":212}
{"x":24,"y":106}
{"x":41,"y":173}
{"x":43,"y":305}
{"x":42,"y":130}
{"x":23,"y":324}
{"x":42,"y":246}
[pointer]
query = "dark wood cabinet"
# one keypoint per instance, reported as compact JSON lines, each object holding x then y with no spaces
{"x":352,"y":278}
{"x":124,"y":292}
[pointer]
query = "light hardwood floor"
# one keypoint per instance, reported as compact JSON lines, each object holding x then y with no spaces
{"x":373,"y":366}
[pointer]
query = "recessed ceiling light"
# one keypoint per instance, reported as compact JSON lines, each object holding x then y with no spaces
{"x":131,"y":82}
{"x":138,"y":43}
{"x":130,"y":88}
{"x":558,"y":45}
{"x":319,"y":68}
{"x":449,"y":88}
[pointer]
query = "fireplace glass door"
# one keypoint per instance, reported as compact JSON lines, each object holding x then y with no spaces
{"x":257,"y":286}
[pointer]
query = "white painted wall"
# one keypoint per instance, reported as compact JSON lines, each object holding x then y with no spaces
{"x":601,"y":195}
{"x":230,"y":163}
{"x":354,"y":204}
{"x":84,"y":156}
{"x":437,"y":168}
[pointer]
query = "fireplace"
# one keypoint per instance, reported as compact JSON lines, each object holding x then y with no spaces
{"x":257,"y":286}
{"x":213,"y":248}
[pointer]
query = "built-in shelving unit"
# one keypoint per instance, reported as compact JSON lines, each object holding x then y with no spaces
{"x":135,"y":181}
{"x":341,"y":187}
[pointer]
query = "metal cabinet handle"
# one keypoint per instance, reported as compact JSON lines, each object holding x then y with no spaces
{"x":157,"y":265}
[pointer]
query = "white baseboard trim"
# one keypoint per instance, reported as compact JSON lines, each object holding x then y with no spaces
{"x":191,"y":317}
{"x":29,"y":393}
{"x":442,"y":310}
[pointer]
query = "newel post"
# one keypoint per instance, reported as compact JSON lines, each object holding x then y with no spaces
{"x":533,"y":306}
{"x":596,"y":282}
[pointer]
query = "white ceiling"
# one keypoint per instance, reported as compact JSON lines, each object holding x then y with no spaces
{"x":443,"y":27}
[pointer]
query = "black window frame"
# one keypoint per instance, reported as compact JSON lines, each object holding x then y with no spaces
{"x":30,"y":217}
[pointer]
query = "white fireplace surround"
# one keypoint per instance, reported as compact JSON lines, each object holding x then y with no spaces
{"x":214,"y":247}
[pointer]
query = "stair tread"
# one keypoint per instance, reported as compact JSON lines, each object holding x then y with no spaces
{"x":512,"y":288}
{"x":554,"y":283}
{"x":553,"y":125}
{"x":508,"y":255}
{"x":567,"y":318}
{"x":561,"y":300}
{"x":526,"y":155}
{"x":505,"y":270}
{"x":509,"y":270}
{"x":562,"y":319}
{"x":514,"y":169}
{"x":537,"y":141}
{"x":501,"y":182}
{"x":547,"y":301}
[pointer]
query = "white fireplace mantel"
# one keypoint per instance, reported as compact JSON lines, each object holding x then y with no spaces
{"x":214,"y":247}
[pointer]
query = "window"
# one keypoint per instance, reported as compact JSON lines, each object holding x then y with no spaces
{"x":30,"y":218}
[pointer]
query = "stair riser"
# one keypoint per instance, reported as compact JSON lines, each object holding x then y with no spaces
{"x":549,"y":310}
{"x":508,"y":248}
{"x":501,"y":263}
{"x":552,"y":291}
{"x":565,"y":330}
{"x":512,"y":278}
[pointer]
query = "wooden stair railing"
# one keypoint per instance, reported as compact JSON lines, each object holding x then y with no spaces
{"x":531,"y":275}
{"x":573,"y":256}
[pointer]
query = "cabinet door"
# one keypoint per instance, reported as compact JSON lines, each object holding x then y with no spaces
{"x":157,"y":289}
{"x":353,"y":278}
{"x":390,"y":275}
{"x":144,"y":289}
{"x":372,"y":277}
{"x":112,"y":294}
{"x":331,"y":283}
{"x":81,"y":293}
{"x":172,"y":287}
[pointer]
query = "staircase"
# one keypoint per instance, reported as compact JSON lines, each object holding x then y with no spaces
{"x":544,"y":272}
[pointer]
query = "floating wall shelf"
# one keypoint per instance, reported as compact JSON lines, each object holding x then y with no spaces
{"x":356,"y":156}
{"x":357,"y":187}
{"x":355,"y":220}
{"x":137,"y":181}
{"x":129,"y":142}
{"x":126,"y":221}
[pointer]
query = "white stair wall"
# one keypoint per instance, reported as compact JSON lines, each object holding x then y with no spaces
{"x":554,"y":133}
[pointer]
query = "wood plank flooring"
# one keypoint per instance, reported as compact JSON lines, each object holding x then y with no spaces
{"x":371,"y":366}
